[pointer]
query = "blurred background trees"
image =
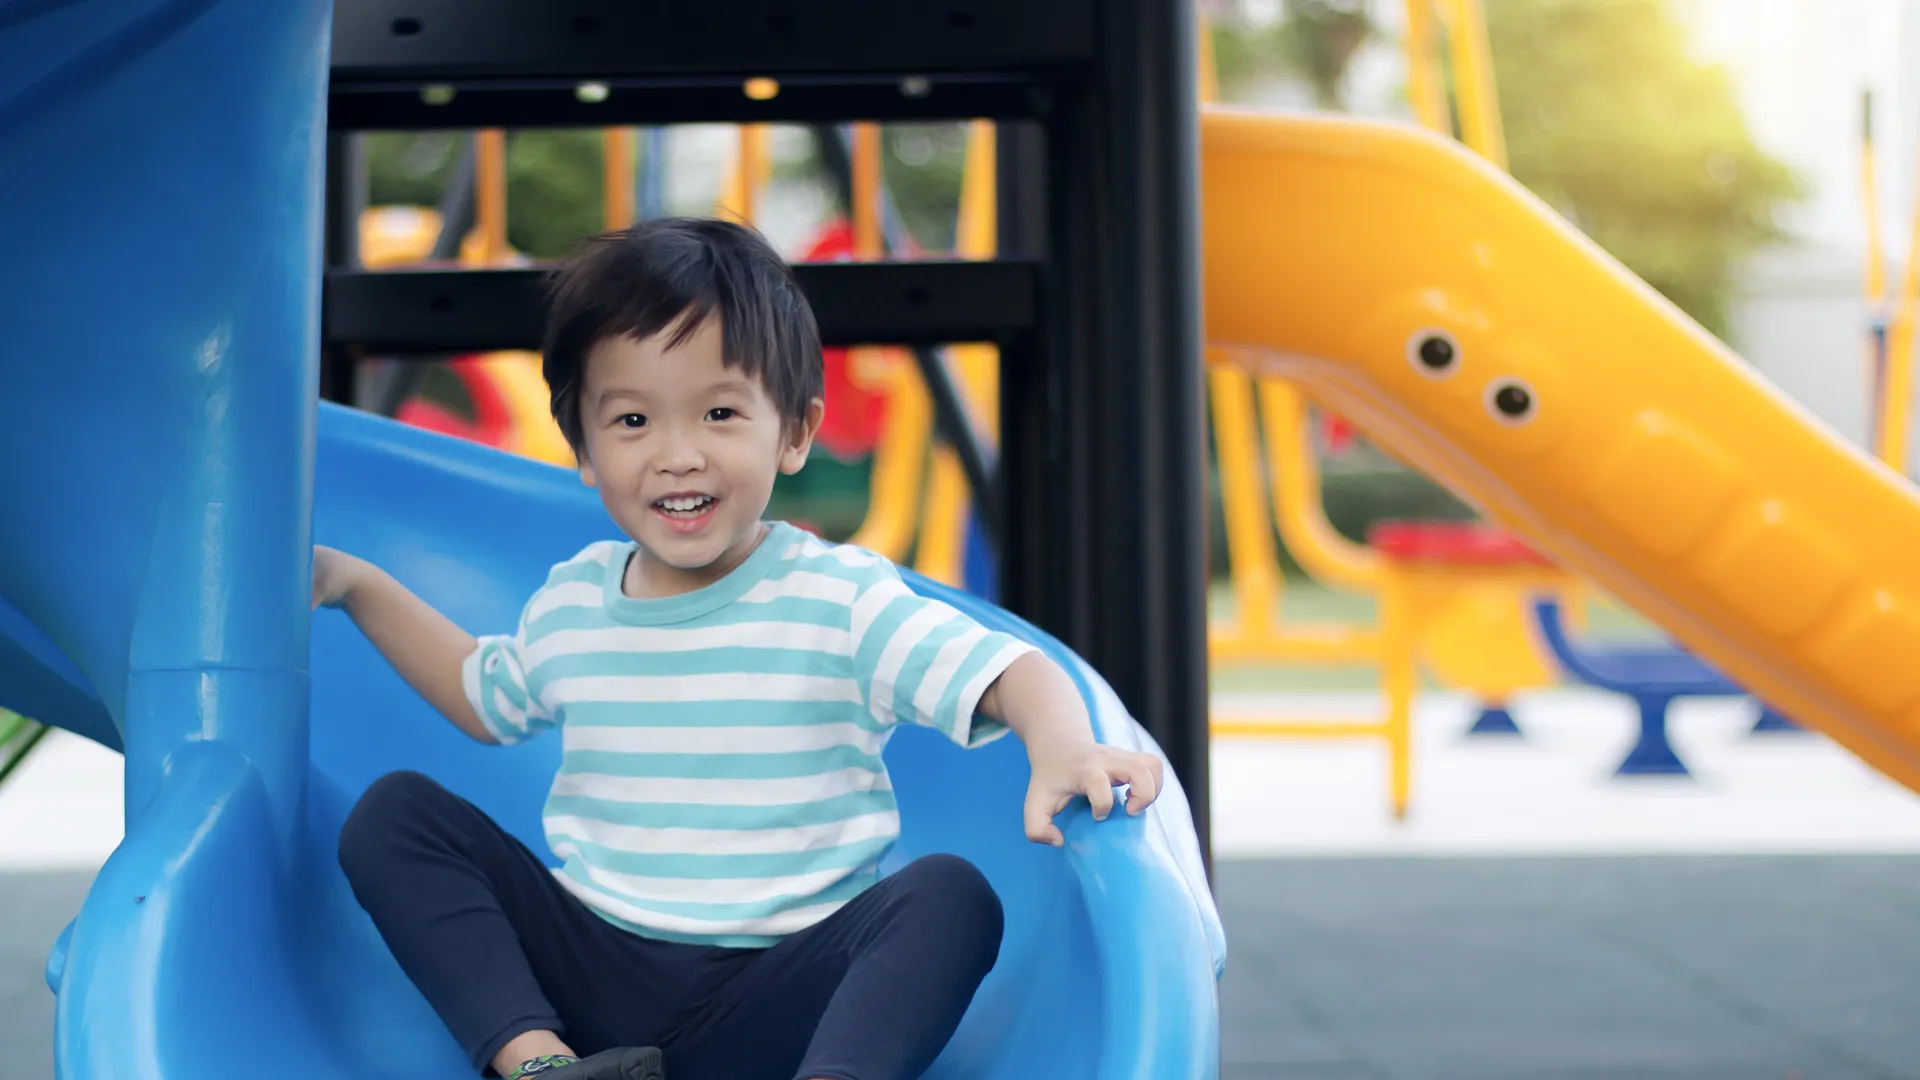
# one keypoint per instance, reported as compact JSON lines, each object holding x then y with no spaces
{"x":1607,"y":117}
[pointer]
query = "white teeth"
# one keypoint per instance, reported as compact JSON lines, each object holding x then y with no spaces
{"x":684,"y":504}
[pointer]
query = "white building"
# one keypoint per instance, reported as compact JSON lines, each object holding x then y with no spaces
{"x":1802,"y":66}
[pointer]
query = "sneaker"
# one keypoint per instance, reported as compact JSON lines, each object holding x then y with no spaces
{"x":626,"y":1063}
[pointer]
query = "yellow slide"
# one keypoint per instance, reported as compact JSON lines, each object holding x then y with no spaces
{"x":1401,"y":280}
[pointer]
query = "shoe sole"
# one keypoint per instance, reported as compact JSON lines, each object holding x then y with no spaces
{"x":648,"y":1066}
{"x":634,"y":1063}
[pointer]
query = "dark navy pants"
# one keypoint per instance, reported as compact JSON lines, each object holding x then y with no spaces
{"x":499,"y":949}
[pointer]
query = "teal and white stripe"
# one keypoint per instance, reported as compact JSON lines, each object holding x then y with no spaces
{"x":721,"y":775}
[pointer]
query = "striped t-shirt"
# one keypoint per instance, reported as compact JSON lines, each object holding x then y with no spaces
{"x":721,"y":778}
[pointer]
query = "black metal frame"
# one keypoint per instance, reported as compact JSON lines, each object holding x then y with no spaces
{"x":458,"y":204}
{"x":431,"y":41}
{"x":346,"y":197}
{"x":923,"y":302}
{"x":1094,"y":304}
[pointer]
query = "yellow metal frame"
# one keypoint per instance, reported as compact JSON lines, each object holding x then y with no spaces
{"x":899,"y":460}
{"x":1468,"y":625}
{"x":617,"y":207}
{"x":918,"y":497}
{"x":1875,"y":278}
{"x":1426,"y":89}
{"x":740,"y":185}
{"x":1473,"y":79}
{"x":943,"y":524}
{"x":1255,"y":632}
{"x":1895,"y":406}
{"x":896,"y":481}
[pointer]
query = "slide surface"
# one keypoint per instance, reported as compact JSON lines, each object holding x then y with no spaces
{"x":1404,"y":282}
{"x":165,"y":476}
{"x":1112,"y":950}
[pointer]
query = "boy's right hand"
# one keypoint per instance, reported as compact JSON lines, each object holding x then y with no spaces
{"x":335,"y":575}
{"x":425,"y":647}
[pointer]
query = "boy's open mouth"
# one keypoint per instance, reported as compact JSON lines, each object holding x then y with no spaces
{"x":687,"y":507}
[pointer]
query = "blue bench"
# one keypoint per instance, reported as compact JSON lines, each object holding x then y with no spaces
{"x":1653,"y":676}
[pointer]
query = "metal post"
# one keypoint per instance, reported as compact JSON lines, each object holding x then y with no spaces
{"x":345,"y":198}
{"x":1029,"y":475}
{"x":1122,"y":362}
{"x":1043,"y":487}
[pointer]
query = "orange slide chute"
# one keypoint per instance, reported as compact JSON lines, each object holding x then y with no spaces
{"x":1418,"y":289}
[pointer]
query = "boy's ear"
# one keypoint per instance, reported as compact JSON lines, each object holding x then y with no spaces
{"x":585,"y":466}
{"x":800,"y":437}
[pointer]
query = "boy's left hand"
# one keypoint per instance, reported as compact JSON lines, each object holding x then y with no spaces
{"x":1090,"y":769}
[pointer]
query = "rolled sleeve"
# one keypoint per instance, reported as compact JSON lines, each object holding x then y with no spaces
{"x":496,"y":687}
{"x":922,"y":661}
{"x":957,"y":713}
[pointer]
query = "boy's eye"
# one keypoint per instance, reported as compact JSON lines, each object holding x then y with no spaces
{"x":722,"y":413}
{"x":632,"y":420}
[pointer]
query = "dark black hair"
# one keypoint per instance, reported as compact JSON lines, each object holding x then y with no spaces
{"x":670,"y":275}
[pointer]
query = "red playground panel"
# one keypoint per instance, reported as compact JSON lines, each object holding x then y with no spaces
{"x":1463,"y":544}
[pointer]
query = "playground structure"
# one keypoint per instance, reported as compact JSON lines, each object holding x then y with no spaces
{"x":248,"y":724}
{"x":1458,"y":607}
{"x":1428,"y":297}
{"x":1454,"y":600}
{"x":1721,"y":524}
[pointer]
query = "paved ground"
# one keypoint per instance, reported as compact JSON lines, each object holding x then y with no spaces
{"x":1696,"y":968}
{"x":1657,"y":968}
{"x":35,"y":907}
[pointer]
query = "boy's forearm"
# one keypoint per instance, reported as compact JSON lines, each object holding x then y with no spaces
{"x":424,"y":646}
{"x":1041,"y":704}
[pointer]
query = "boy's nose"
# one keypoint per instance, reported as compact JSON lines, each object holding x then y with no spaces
{"x":681,"y":455}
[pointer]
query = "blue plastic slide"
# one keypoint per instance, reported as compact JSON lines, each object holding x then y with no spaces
{"x":166,"y":471}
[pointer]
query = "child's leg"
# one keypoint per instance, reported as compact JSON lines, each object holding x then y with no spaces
{"x":871,"y":993}
{"x":493,"y":942}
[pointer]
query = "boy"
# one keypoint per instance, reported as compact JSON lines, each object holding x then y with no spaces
{"x":725,"y":687}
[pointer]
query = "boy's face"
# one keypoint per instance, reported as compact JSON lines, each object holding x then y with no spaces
{"x":684,"y":451}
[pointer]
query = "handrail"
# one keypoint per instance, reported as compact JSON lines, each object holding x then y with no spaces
{"x":1251,"y":558}
{"x":490,"y":196}
{"x":898,"y":457}
{"x":617,"y":177}
{"x":1425,"y":87}
{"x":1896,"y":399}
{"x":1473,"y":78}
{"x":943,"y":523}
{"x":1875,"y":283}
{"x":1328,"y":556}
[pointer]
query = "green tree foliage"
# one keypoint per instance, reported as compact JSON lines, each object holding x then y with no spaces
{"x":553,"y":181}
{"x":1609,"y":120}
{"x":922,"y":170}
{"x":1318,"y":38}
{"x":1314,"y":40}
